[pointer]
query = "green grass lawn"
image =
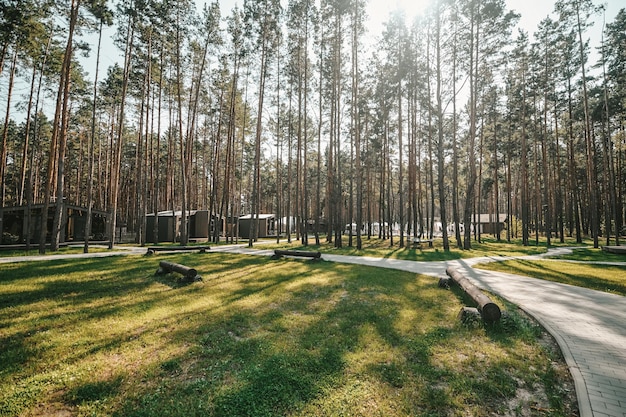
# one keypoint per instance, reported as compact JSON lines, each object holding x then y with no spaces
{"x":589,"y":254}
{"x":62,"y":251}
{"x":382,"y":248}
{"x":260,"y":337}
{"x":608,"y":278}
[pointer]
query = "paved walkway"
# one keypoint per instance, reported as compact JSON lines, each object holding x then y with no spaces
{"x":589,"y":326}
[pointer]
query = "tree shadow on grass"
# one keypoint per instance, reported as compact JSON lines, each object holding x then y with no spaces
{"x":275,"y":338}
{"x":286,"y":353}
{"x":15,"y":351}
{"x":90,"y":279}
{"x":94,"y":391}
{"x":173,"y":280}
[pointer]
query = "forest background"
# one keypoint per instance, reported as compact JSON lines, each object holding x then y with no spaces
{"x":298,"y":109}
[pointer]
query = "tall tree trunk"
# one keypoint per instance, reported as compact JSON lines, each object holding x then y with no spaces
{"x":591,"y":171}
{"x":138,"y":201}
{"x":546,"y":178}
{"x":156,"y":183}
{"x":337,"y":80}
{"x":559,"y":179}
{"x":509,"y":205}
{"x":57,"y":222}
{"x":575,"y":198}
{"x":610,"y":166}
{"x":120,"y":136}
{"x":400,"y":159}
{"x":256,"y":183}
{"x":182,"y":139}
{"x":318,"y":192}
{"x":473,"y":80}
{"x":148,"y":138}
{"x":524,"y":165}
{"x":92,"y":146}
{"x":31,"y":195}
{"x":305,"y":185}
{"x":496,"y":177}
{"x":536,"y":171}
{"x":289,"y":165}
{"x":357,"y":129}
{"x":5,"y":130}
{"x":478,"y":201}
{"x":440,"y":144}
{"x":26,"y":149}
{"x":455,"y":156}
{"x":299,"y":145}
{"x":429,"y":174}
{"x":279,"y":180}
{"x":216,"y":164}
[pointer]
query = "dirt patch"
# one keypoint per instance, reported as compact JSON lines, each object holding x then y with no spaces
{"x":533,"y":401}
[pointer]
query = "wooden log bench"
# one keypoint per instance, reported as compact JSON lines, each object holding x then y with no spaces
{"x":615,"y":249}
{"x":489,"y":310}
{"x":189,"y":274}
{"x":279,"y":253}
{"x":153,"y":249}
{"x":417,"y":242}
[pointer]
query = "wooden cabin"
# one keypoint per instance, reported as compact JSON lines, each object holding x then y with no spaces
{"x":267,"y":225}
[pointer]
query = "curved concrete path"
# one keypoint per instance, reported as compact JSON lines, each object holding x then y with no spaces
{"x":589,"y":326}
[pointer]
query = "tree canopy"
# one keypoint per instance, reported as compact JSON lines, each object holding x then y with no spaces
{"x":290,"y":108}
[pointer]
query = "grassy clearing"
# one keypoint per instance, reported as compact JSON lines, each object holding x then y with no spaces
{"x":592,"y":255}
{"x":62,"y":251}
{"x":599,"y":277}
{"x":382,"y":248}
{"x":105,"y":337}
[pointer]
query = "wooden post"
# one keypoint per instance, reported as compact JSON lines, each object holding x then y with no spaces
{"x":444,"y":282}
{"x":488,"y":309}
{"x":469,"y":315}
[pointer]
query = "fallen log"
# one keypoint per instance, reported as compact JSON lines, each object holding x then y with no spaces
{"x":615,"y":249}
{"x":153,"y":249}
{"x":188,"y":273}
{"x":278,"y":253}
{"x":489,"y":311}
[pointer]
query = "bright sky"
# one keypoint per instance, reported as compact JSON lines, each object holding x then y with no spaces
{"x":532,"y":12}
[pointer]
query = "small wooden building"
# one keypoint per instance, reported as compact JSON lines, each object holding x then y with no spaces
{"x":18,"y":223}
{"x":310,"y":226}
{"x":492,"y":224}
{"x":267,"y":225}
{"x":201,"y":225}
